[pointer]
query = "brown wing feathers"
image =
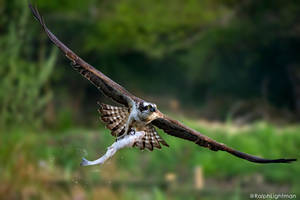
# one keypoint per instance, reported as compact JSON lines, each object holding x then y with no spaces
{"x":177,"y":129}
{"x":102,"y":82}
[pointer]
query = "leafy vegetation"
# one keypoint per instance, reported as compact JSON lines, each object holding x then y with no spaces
{"x":22,"y":90}
{"x":51,"y":159}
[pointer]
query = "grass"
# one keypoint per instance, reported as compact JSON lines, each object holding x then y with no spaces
{"x":42,"y":164}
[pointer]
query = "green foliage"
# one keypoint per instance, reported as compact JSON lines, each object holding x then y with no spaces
{"x":55,"y":156}
{"x":22,"y":84}
{"x":250,"y":57}
{"x":153,"y":27}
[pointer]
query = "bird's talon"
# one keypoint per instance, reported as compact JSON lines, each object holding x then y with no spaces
{"x":132,"y":132}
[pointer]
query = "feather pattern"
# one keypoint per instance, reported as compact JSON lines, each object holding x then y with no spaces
{"x":151,"y":139}
{"x":114,"y":117}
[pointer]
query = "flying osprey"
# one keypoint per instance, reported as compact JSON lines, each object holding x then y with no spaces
{"x":137,"y":114}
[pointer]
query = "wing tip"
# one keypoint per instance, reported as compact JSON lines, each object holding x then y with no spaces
{"x":166,"y":144}
{"x":36,"y":14}
{"x":289,"y":160}
{"x":34,"y":11}
{"x":281,"y":160}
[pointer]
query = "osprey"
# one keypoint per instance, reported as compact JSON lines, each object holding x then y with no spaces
{"x":135,"y":114}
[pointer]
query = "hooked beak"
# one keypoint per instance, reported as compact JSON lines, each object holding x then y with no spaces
{"x":159,"y":114}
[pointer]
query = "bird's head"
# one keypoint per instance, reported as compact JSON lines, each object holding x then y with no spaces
{"x":148,"y":111}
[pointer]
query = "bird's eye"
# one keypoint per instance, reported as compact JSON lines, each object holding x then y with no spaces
{"x":151,"y":108}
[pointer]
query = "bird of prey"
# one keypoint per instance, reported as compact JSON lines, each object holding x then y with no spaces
{"x":135,"y":114}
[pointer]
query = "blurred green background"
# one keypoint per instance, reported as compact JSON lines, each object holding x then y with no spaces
{"x":229,"y":69}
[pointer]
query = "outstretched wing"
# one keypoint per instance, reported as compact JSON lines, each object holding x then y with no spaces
{"x":102,"y":82}
{"x":175,"y":128}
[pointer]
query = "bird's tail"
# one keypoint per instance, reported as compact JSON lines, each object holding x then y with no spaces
{"x":151,"y":139}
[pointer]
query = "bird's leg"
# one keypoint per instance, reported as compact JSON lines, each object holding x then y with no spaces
{"x":120,"y":137}
{"x":74,"y":64}
{"x":127,"y":124}
{"x":129,"y":120}
{"x":131,"y":132}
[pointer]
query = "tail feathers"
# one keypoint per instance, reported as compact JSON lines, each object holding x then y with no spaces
{"x":114,"y":117}
{"x":150,"y":140}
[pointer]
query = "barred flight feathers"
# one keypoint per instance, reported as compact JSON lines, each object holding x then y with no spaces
{"x":114,"y":117}
{"x":151,"y":139}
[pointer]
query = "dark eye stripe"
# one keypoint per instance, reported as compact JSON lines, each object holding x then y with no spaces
{"x":142,"y":107}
